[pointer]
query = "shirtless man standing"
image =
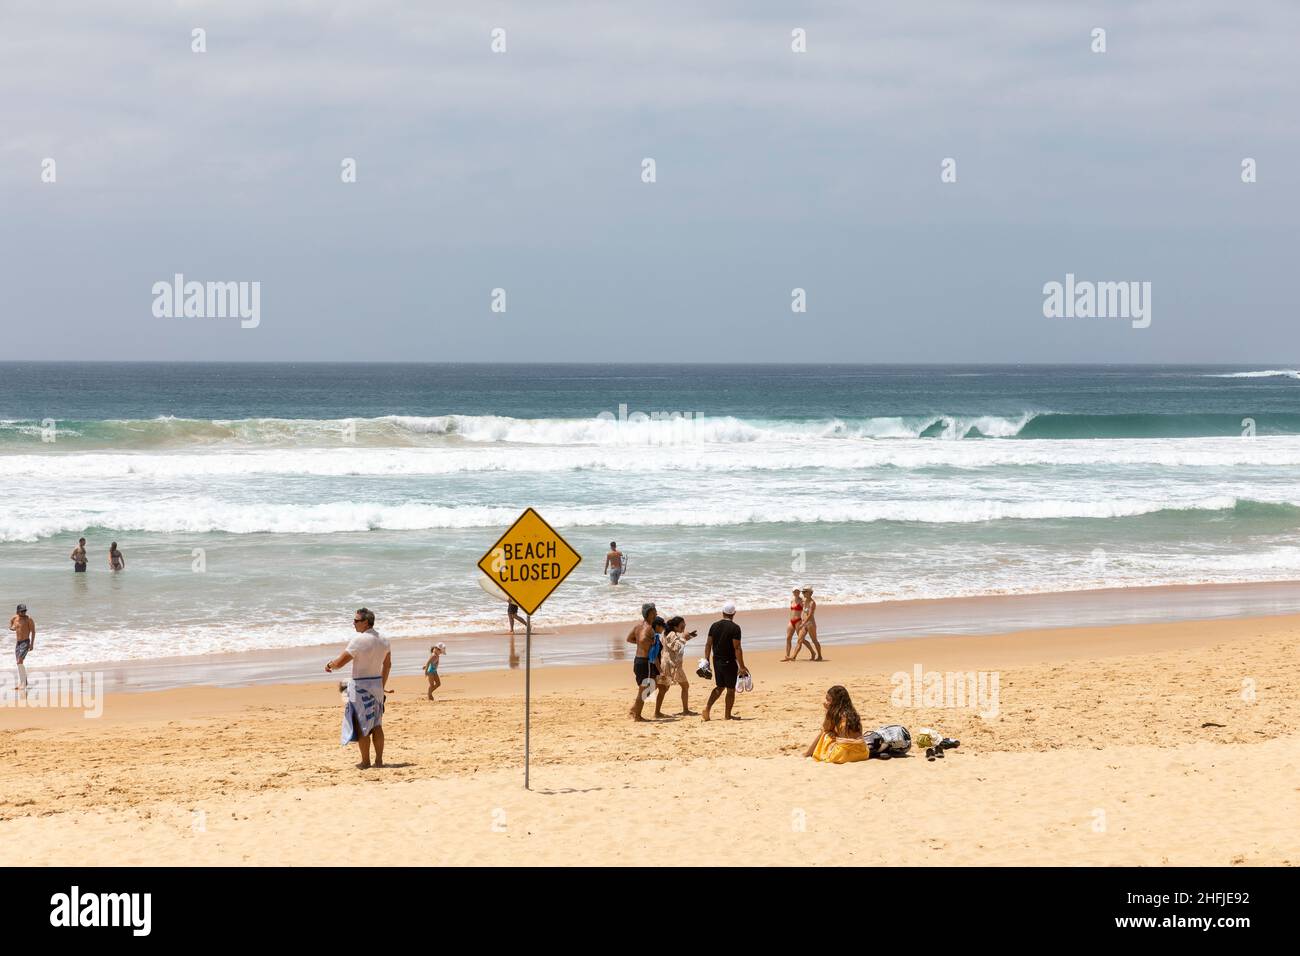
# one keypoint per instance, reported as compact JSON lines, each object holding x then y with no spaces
{"x":78,"y":556}
{"x":614,"y":564}
{"x":643,"y":636}
{"x":24,"y":629}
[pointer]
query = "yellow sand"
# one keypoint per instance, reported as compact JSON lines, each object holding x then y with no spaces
{"x":1097,"y":756}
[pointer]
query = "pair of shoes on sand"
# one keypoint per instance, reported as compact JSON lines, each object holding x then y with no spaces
{"x":946,"y":744}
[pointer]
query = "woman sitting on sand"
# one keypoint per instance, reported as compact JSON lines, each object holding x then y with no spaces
{"x":671,"y":668}
{"x":840,"y":739}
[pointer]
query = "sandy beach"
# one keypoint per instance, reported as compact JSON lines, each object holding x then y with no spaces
{"x":1148,"y":744}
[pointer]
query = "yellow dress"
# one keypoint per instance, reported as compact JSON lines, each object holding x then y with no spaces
{"x":832,"y":749}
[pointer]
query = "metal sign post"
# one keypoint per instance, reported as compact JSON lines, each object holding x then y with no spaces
{"x":526,"y":564}
{"x":528,"y":693}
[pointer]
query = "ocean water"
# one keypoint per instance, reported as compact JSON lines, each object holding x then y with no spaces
{"x":308,"y":490}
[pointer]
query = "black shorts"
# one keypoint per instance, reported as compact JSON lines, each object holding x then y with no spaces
{"x":726,"y":673}
{"x":642,"y":669}
{"x":78,"y":567}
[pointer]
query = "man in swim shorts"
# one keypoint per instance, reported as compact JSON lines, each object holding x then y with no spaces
{"x":24,"y":628}
{"x":614,"y":563}
{"x":79,"y":555}
{"x":643,"y":636}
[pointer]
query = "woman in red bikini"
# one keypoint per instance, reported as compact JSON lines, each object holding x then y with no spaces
{"x":796,"y":618}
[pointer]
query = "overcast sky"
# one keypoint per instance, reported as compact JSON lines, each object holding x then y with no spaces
{"x":775,"y":170}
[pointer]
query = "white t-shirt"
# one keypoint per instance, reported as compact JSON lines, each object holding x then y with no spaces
{"x":368,"y":651}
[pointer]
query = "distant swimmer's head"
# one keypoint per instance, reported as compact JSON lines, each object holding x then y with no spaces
{"x":81,"y":541}
{"x":647,"y":611}
{"x":22,"y":609}
{"x":796,"y":592}
{"x":807,"y":590}
{"x":441,"y":646}
{"x":613,"y":546}
{"x":364,"y":618}
{"x":729,"y":609}
{"x":659,"y":624}
{"x":113,"y":546}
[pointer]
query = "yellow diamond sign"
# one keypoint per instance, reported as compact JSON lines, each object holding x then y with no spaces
{"x":529,"y":561}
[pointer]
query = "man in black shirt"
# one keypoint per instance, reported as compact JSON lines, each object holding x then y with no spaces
{"x":723,"y":648}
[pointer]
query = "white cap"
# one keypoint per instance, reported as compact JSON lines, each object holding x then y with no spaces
{"x":441,"y":646}
{"x":729,"y":607}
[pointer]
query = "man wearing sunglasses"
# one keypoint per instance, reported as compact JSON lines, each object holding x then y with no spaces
{"x":363,"y":708}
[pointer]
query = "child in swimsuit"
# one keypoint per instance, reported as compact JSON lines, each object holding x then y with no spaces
{"x":431,"y":667}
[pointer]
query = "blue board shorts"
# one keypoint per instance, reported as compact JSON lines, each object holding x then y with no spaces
{"x":614,"y":575}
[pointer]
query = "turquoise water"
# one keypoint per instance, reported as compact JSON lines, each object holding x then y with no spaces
{"x":258,"y":504}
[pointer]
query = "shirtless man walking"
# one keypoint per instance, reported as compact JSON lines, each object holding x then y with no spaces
{"x":24,"y":628}
{"x":614,"y":563}
{"x":643,"y":636}
{"x":78,"y":556}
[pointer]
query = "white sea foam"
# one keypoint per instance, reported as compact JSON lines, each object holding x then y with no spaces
{"x":200,"y":516}
{"x":769,"y":455}
{"x":1266,"y":373}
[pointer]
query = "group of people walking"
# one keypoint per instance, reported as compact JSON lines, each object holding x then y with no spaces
{"x":660,"y":662}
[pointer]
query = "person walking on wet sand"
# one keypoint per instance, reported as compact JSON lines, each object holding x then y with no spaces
{"x":24,"y":628}
{"x":796,"y":619}
{"x":431,"y":667}
{"x":643,"y":636}
{"x":807,"y":631}
{"x":78,"y":555}
{"x":723,"y":648}
{"x":808,"y":627}
{"x":672,"y":668}
{"x":363,"y":708}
